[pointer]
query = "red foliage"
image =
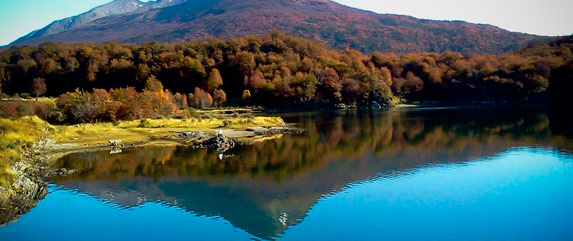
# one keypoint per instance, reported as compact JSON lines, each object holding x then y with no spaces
{"x":18,"y":108}
{"x":38,"y":87}
{"x":219,"y":97}
{"x":201,"y":99}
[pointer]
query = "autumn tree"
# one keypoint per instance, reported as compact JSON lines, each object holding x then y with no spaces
{"x":330,"y":83}
{"x":201,"y":99}
{"x":350,"y":90}
{"x":256,"y":80}
{"x":306,"y":65}
{"x":386,"y":75}
{"x":215,"y":80}
{"x":219,"y":97}
{"x":246,"y":96}
{"x":38,"y":87}
{"x":153,"y":84}
{"x":245,"y":61}
{"x":159,"y":99}
{"x":413,"y":83}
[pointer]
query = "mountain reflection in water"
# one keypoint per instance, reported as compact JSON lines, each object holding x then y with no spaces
{"x":268,"y":187}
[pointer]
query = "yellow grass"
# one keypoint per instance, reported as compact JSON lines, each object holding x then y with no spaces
{"x":14,"y":136}
{"x":396,"y":101}
{"x":48,"y":100}
{"x":135,"y":131}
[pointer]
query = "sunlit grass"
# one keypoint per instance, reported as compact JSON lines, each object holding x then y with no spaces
{"x":137,"y":131}
{"x":15,"y":135}
{"x":47,"y":100}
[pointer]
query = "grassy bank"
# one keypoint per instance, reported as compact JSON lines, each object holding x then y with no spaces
{"x":20,"y":134}
{"x":149,"y":129}
{"x":15,"y":136}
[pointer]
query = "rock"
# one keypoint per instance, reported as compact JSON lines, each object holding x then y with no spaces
{"x":341,"y":106}
{"x":115,"y":151}
{"x":353,"y":105}
{"x":43,"y":143}
{"x":185,"y":134}
{"x":194,"y":134}
{"x":28,"y":188}
{"x":216,"y":141}
{"x":23,"y":194}
{"x":220,"y":143}
{"x":65,"y":171}
{"x":115,"y":143}
{"x":116,"y":146}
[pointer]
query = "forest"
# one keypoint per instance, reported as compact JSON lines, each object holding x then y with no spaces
{"x":114,"y":81}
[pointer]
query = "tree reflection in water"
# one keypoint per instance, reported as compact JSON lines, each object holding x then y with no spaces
{"x":266,"y":187}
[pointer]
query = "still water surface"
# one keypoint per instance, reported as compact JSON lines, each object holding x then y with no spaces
{"x":419,"y":174}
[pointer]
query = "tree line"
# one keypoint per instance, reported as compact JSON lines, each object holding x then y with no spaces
{"x":278,"y":70}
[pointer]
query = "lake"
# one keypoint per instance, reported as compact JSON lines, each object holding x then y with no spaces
{"x":476,"y":173}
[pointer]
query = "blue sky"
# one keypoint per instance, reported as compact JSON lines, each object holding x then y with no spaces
{"x":20,"y":17}
{"x":542,"y":17}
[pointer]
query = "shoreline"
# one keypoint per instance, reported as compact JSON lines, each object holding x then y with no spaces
{"x":173,"y":138}
{"x":28,"y":164}
{"x":34,"y":165}
{"x":29,"y":186}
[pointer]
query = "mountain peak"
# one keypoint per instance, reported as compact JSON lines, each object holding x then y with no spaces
{"x":114,"y":8}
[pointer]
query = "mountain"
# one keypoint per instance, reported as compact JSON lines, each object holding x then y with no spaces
{"x":334,"y":24}
{"x":116,"y":7}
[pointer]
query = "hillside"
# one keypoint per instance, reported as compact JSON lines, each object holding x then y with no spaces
{"x":328,"y":22}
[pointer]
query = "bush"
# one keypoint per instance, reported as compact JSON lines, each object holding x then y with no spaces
{"x":117,"y":104}
{"x":206,"y":116}
{"x":18,"y":108}
{"x":144,"y":123}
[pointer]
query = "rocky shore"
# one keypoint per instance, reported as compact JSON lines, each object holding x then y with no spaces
{"x":28,"y":188}
{"x":23,"y":194}
{"x":33,"y":167}
{"x":225,"y":140}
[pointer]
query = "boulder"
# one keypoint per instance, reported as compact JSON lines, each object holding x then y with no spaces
{"x":341,"y":106}
{"x":220,"y":143}
{"x":115,"y":143}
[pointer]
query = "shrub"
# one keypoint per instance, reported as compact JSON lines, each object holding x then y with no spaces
{"x":144,"y":123}
{"x":18,"y":108}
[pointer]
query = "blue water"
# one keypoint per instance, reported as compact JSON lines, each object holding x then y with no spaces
{"x":522,"y":194}
{"x":444,"y":174}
